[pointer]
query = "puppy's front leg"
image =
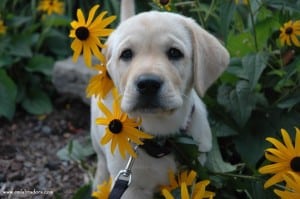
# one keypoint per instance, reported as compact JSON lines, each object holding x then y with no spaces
{"x":201,"y":131}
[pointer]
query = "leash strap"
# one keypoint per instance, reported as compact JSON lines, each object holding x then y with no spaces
{"x":118,"y":189}
{"x":123,"y":179}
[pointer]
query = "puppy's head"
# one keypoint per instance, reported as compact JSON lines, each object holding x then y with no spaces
{"x":155,"y":59}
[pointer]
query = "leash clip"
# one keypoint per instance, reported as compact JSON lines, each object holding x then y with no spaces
{"x":123,"y":179}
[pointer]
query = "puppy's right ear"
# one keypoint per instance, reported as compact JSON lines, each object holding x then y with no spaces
{"x":210,"y":58}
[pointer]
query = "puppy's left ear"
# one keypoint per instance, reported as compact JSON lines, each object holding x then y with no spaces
{"x":210,"y":58}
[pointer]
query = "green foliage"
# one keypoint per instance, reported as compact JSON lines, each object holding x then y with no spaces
{"x":28,"y":49}
{"x":257,"y":95}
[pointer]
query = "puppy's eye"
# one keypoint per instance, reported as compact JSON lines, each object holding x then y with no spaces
{"x":126,"y":55}
{"x":174,"y":54}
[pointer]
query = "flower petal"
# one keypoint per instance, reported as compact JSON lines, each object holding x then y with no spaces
{"x":87,"y":54}
{"x":295,"y":40}
{"x":297,"y":142}
{"x":287,"y":141}
{"x":80,"y":17}
{"x":104,"y":109}
{"x":275,"y":168}
{"x":106,"y":138}
{"x":274,"y":179}
{"x":184,"y":191}
{"x":279,"y":146}
{"x":167,"y":194}
{"x":92,"y":14}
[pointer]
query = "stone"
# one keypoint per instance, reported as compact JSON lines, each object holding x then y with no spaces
{"x":72,"y":77}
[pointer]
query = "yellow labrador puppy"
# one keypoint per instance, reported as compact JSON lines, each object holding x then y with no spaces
{"x":161,"y":63}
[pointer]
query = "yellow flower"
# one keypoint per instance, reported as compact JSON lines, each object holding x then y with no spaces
{"x":120,"y":128}
{"x":292,"y":185}
{"x":198,"y":192}
{"x":86,"y":35}
{"x":289,"y":32}
{"x":163,"y":4}
{"x":51,"y":6}
{"x":99,"y":84}
{"x":184,"y":180}
{"x":183,"y":177}
{"x":103,"y":190}
{"x":2,"y":27}
{"x":285,"y":158}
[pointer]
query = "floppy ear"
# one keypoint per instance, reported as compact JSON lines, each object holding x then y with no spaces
{"x":210,"y":58}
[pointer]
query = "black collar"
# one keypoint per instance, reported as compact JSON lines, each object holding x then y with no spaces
{"x":160,"y":146}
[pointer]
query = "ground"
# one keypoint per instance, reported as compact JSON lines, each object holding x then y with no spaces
{"x":28,"y":147}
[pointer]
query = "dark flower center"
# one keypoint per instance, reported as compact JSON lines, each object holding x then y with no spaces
{"x":115,"y":126}
{"x":289,"y":31}
{"x":82,"y":33}
{"x":295,"y":164}
{"x":164,"y":2}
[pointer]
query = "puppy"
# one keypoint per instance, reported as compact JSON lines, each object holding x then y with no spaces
{"x":160,"y":63}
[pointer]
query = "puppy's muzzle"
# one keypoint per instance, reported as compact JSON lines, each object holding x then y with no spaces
{"x":148,"y":85}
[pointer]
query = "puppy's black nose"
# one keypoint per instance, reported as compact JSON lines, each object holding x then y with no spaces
{"x":148,"y":84}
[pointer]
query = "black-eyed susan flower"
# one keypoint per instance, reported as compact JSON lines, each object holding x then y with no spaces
{"x":103,"y":190}
{"x":292,"y":190}
{"x":186,"y":181}
{"x":99,"y":84}
{"x":51,"y":6}
{"x":87,"y":35}
{"x":285,"y":157}
{"x":120,"y":129}
{"x":2,"y":27}
{"x":289,"y":33}
{"x":163,"y":4}
{"x":184,"y":177}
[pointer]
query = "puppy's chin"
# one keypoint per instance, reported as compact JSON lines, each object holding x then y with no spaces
{"x":150,"y":109}
{"x":153,"y":111}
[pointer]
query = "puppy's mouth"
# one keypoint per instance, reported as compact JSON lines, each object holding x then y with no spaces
{"x":149,"y":105}
{"x":150,"y":95}
{"x":153,"y":107}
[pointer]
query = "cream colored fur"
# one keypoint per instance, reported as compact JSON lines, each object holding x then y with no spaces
{"x":149,"y":35}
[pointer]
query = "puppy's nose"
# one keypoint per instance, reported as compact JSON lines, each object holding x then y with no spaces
{"x":148,"y":84}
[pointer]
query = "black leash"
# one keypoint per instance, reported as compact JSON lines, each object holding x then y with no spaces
{"x":123,"y":179}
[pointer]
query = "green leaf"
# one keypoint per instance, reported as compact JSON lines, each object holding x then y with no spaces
{"x":239,"y":101}
{"x":264,"y":30}
{"x":76,"y":151}
{"x":5,"y":60}
{"x":8,"y":94}
{"x":37,"y":102}
{"x":290,"y":102}
{"x":83,"y":192}
{"x":57,"y":20}
{"x":17,"y":21}
{"x":215,"y":162}
{"x":21,"y":46}
{"x":40,"y":63}
{"x":227,"y":9}
{"x":57,"y":43}
{"x":264,"y":124}
{"x":256,"y":189}
{"x":253,"y":66}
{"x":241,"y":44}
{"x":223,"y":130}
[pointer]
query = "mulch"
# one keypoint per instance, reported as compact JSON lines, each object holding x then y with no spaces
{"x":29,"y":165}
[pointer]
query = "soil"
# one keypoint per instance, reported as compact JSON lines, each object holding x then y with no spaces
{"x":28,"y":146}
